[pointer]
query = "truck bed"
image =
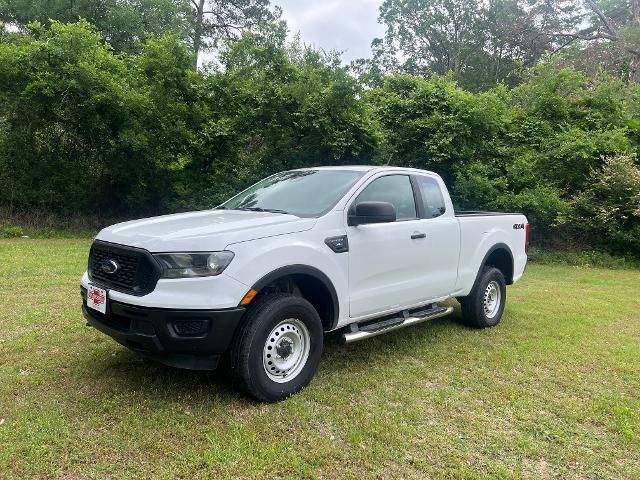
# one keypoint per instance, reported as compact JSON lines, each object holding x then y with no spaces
{"x":479,"y":231}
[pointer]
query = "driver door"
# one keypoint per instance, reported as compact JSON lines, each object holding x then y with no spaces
{"x":387,"y":261}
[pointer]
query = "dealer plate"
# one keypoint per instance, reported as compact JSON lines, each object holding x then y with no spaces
{"x":97,"y":299}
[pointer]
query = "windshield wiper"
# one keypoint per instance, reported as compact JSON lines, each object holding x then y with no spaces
{"x":258,"y":209}
{"x":254,"y":209}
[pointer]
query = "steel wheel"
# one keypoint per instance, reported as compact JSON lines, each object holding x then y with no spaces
{"x":286,"y":350}
{"x":492,"y":298}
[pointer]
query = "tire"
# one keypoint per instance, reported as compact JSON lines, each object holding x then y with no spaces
{"x":277,"y":349}
{"x":479,"y":312}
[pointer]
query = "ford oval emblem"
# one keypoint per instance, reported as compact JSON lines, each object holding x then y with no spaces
{"x":109,"y":266}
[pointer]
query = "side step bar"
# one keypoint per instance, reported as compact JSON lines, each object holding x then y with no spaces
{"x":373,"y":330}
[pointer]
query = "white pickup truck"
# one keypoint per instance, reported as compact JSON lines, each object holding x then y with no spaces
{"x":263,"y":276}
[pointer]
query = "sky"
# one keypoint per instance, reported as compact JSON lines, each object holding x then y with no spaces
{"x":345,"y":25}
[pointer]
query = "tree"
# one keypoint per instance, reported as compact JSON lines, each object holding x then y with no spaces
{"x":438,"y":35}
{"x":480,"y":42}
{"x":511,"y":39}
{"x":125,"y":24}
{"x":590,"y":22}
{"x":215,"y":20}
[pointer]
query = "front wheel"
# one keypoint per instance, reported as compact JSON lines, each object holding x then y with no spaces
{"x":484,"y":305}
{"x":278,"y":348}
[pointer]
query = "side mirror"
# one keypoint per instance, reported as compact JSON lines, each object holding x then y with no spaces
{"x":371,"y":212}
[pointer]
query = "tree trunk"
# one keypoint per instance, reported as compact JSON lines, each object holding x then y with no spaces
{"x":198,"y":30}
{"x":634,"y":69}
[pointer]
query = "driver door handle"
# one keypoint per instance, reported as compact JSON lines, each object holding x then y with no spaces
{"x":417,"y":235}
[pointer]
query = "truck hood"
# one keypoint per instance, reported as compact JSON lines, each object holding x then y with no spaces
{"x":207,"y":230}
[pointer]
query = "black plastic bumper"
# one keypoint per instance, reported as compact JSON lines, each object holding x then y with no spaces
{"x":192,"y":339}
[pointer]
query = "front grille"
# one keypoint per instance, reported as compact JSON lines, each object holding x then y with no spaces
{"x":137,"y":271}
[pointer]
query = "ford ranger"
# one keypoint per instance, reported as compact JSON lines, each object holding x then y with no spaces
{"x":261,"y":278}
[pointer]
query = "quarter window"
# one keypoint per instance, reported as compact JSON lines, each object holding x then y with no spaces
{"x":433,"y":202}
{"x":395,"y":189}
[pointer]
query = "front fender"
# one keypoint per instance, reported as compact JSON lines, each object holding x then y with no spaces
{"x":260,"y":260}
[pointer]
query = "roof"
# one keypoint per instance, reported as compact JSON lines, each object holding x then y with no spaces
{"x":356,"y":168}
{"x":366,"y":168}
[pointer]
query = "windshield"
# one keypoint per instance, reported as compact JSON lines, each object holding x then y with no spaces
{"x":305,"y":193}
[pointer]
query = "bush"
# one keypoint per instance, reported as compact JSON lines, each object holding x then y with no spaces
{"x":434,"y":124}
{"x":85,"y":131}
{"x":11,"y":231}
{"x":582,"y":258}
{"x":608,"y":208}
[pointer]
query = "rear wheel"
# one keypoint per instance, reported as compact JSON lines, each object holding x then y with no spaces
{"x":278,"y":348}
{"x":483,"y":307}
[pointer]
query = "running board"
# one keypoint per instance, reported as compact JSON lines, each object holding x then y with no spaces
{"x":372,"y":330}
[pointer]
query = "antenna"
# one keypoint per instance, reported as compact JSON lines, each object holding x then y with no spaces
{"x":389,"y":160}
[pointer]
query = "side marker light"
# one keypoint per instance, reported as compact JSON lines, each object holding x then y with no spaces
{"x":248,"y":297}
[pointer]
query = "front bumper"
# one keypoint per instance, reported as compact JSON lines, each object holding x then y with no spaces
{"x":201,"y":293}
{"x":192,"y":339}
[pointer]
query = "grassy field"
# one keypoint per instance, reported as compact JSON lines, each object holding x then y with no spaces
{"x":553,"y":392}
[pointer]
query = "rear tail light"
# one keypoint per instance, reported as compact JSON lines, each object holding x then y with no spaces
{"x":526,"y":239}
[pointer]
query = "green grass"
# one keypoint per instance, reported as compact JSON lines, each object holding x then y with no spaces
{"x":552,"y":392}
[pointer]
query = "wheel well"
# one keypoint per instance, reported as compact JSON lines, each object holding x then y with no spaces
{"x":501,"y":259}
{"x":309,"y":287}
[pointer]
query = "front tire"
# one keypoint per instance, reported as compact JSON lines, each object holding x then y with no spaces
{"x":483,"y":307}
{"x":278,"y":348}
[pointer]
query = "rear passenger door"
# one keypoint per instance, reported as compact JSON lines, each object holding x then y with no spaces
{"x":387,"y":261}
{"x":442,"y":242}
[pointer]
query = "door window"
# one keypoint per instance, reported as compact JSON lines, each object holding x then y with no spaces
{"x":395,"y":189}
{"x":433,"y":202}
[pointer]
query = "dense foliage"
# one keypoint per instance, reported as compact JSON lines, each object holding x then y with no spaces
{"x":126,"y":24}
{"x":86,"y":128}
{"x":538,"y":148}
{"x":484,"y":42}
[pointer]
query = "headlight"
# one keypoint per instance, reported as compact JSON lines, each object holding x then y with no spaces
{"x":185,"y":265}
